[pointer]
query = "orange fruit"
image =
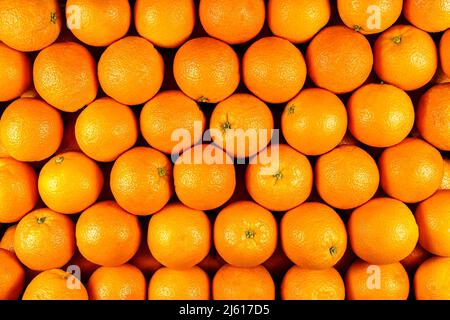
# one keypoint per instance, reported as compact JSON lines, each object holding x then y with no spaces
{"x":430,"y":15}
{"x":314,"y":122}
{"x":125,"y":282}
{"x":274,"y":69}
{"x":411,"y":171}
{"x":380,"y":115}
{"x":364,"y":281}
{"x":65,"y":188}
{"x":245,"y":234}
{"x":167,"y":24}
{"x":445,"y":184}
{"x":415,"y":259}
{"x":405,"y":57}
{"x":144,"y":260}
{"x":346,"y":177}
{"x":31,"y":130}
{"x":177,"y":228}
{"x":233,"y":283}
{"x":106,"y":129}
{"x":65,"y":76}
{"x":297,"y":21}
{"x":206,"y":69}
{"x":304,"y":284}
{"x":188,"y":284}
{"x":432,"y":279}
{"x":383,"y":231}
{"x":15,"y":73}
{"x":7,"y":240}
{"x":281,"y":179}
{"x":231,"y":21}
{"x":29,"y":25}
{"x":242,"y":125}
{"x":44,"y":240}
{"x":98,"y":23}
{"x":313,"y":236}
{"x":433,"y":116}
{"x":204,"y":177}
{"x":141,"y":180}
{"x":131,"y":70}
{"x":444,"y":49}
{"x":12,"y":276}
{"x":167,"y":133}
{"x":107,"y":235}
{"x":338,"y":52}
{"x":18,"y":190}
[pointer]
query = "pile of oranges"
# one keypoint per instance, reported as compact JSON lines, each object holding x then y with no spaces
{"x":222,"y":149}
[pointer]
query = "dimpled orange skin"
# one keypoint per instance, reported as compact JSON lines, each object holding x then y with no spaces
{"x":141,"y":181}
{"x":232,"y":21}
{"x":411,"y":171}
{"x":339,"y":52}
{"x":101,"y":22}
{"x":44,"y":240}
{"x":274,"y":69}
{"x":346,"y":177}
{"x":65,"y":188}
{"x":18,"y":190}
{"x":445,"y":184}
{"x":12,"y":276}
{"x":106,"y":129}
{"x":415,"y":259}
{"x":107,"y":235}
{"x":7,"y":241}
{"x":405,"y":57}
{"x":31,"y":130}
{"x":432,"y":279}
{"x":433,"y":116}
{"x":444,"y":49}
{"x":65,"y":76}
{"x":430,"y":15}
{"x":206,"y":69}
{"x":131,"y":70}
{"x":313,"y":236}
{"x":15,"y":73}
{"x":158,"y":122}
{"x":314,"y":122}
{"x":250,"y":121}
{"x":167,"y":24}
{"x":304,"y":284}
{"x":125,"y":282}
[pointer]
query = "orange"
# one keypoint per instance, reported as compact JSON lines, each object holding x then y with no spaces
{"x":444,"y":49}
{"x":380,"y":115}
{"x":206,"y":69}
{"x":314,"y":122}
{"x":383,"y":231}
{"x":430,"y":15}
{"x":273,"y":69}
{"x":187,"y":284}
{"x":242,"y":125}
{"x":445,"y":184}
{"x":65,"y":76}
{"x":433,"y":116}
{"x":141,"y":180}
{"x":232,"y":21}
{"x":107,"y":235}
{"x":167,"y":133}
{"x":415,"y":259}
{"x":131,"y":70}
{"x":364,"y":281}
{"x":65,"y":188}
{"x":245,"y":234}
{"x":29,"y":25}
{"x":7,"y":240}
{"x":167,"y":24}
{"x":106,"y":129}
{"x":280,"y":179}
{"x":12,"y":276}
{"x":405,"y":57}
{"x":233,"y":283}
{"x":432,"y":279}
{"x":411,"y":171}
{"x":204,"y":177}
{"x":339,"y":59}
{"x":125,"y":282}
{"x":346,"y":177}
{"x":18,"y":190}
{"x":297,"y":21}
{"x":144,"y":260}
{"x":304,"y":284}
{"x":98,"y":23}
{"x":31,"y":130}
{"x":55,"y":284}
{"x":15,"y":73}
{"x":177,"y":228}
{"x":313,"y":236}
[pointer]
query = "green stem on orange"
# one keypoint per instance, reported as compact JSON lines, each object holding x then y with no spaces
{"x":397,"y":39}
{"x":249,"y":234}
{"x":333,"y":250}
{"x":40,"y":220}
{"x":59,"y":160}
